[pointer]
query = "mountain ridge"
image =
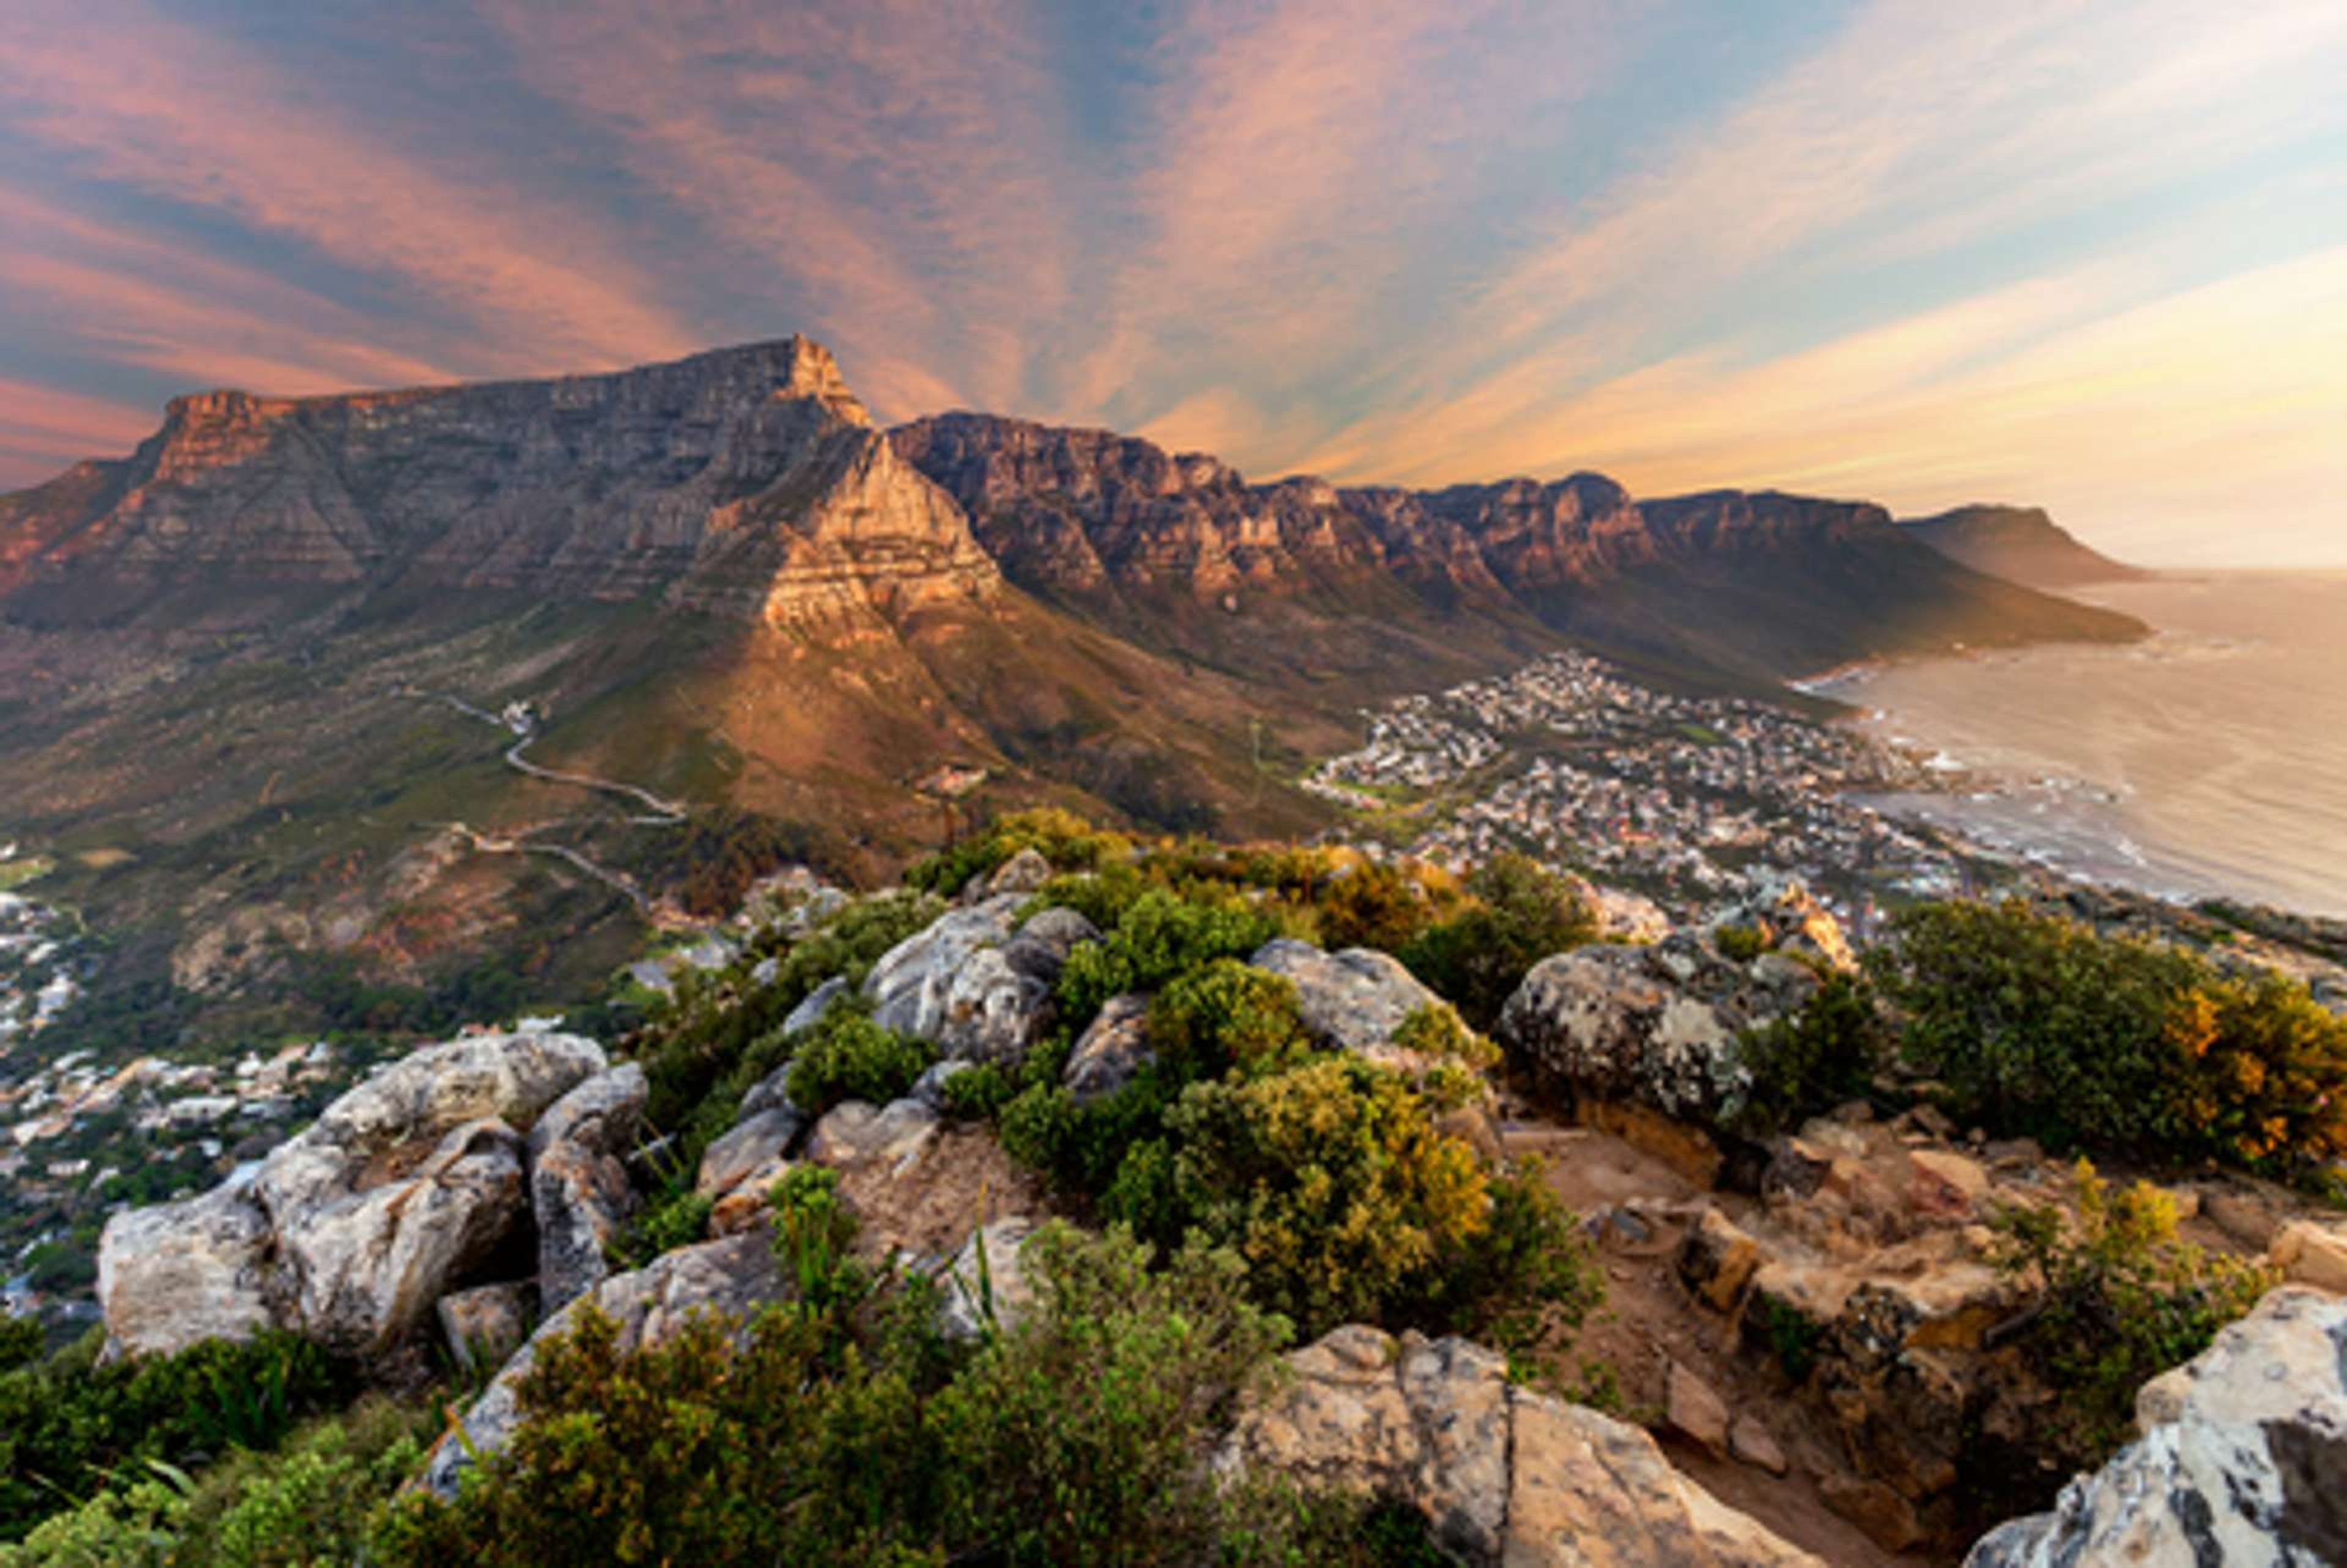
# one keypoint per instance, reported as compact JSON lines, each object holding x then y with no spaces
{"x":2022,"y":544}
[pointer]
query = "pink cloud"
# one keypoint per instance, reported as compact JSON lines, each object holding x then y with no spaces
{"x":185,"y":115}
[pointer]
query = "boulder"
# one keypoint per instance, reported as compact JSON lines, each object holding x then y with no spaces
{"x":1608,"y":1021}
{"x":1001,"y":1287}
{"x":578,"y":1188}
{"x":350,"y":1231}
{"x":974,"y":984}
{"x":756,"y":1140}
{"x":1023,"y":873}
{"x":485,"y":1325}
{"x":1750,"y":1441}
{"x":2311,"y":1253}
{"x":1114,"y":1048}
{"x":1350,"y":1000}
{"x":2241,"y":1460}
{"x":747,"y":1203}
{"x":180,"y":1272}
{"x":814,"y":1006}
{"x":733,"y":1276}
{"x":1503,"y":1475}
{"x":858,"y":1136}
{"x":771,"y":1093}
{"x":1691,"y":1409}
{"x":929,"y":1089}
{"x":365,"y":1263}
{"x":1946,"y":1183}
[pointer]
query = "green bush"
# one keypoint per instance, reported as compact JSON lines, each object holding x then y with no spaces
{"x":66,"y":1425}
{"x":1226,"y":1013}
{"x":849,"y":1057}
{"x":1374,"y":905}
{"x":1824,"y":1055}
{"x":979,"y":1092}
{"x":2036,"y":1024}
{"x":1061,"y":838}
{"x":1331,"y":1180}
{"x":2119,"y":1300}
{"x":1519,"y":913}
{"x":1073,"y":1436}
{"x":1741,"y":944}
{"x":1161,"y":935}
{"x":21,"y":1342}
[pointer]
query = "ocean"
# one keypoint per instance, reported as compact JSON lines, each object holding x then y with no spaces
{"x":2210,"y":760}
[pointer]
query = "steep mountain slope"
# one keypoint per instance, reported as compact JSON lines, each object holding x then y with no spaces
{"x":2021,"y":544}
{"x":1728,"y":584}
{"x":232,"y":663}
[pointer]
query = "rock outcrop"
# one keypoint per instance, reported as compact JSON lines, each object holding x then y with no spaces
{"x":977,"y":983}
{"x":1351,"y":1000}
{"x":1503,"y":1475}
{"x":746,"y":482}
{"x":580,"y":1193}
{"x":2243,"y":1459}
{"x":352,"y":1230}
{"x":732,"y":1277}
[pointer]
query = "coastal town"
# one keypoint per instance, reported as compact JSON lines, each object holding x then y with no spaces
{"x":1690,"y":800}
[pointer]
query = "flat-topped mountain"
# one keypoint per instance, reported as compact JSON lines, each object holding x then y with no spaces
{"x":244,"y":670}
{"x":746,"y":482}
{"x":2021,"y":544}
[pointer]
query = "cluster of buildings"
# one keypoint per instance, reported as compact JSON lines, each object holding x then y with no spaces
{"x":1692,"y":800}
{"x":36,"y":969}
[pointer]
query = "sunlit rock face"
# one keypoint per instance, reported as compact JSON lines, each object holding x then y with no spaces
{"x":746,"y":483}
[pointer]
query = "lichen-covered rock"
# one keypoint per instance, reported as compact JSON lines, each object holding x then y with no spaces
{"x":178,"y":1274}
{"x":2242,"y":1461}
{"x":1503,"y":1475}
{"x":366,"y":1265}
{"x":999,"y":1291}
{"x":1611,"y":1022}
{"x":975,"y":983}
{"x":578,"y":1188}
{"x":1114,"y":1048}
{"x":350,"y":1231}
{"x":1350,"y":1000}
{"x":856,"y":1136}
{"x":814,"y":1006}
{"x":733,"y":1276}
{"x":749,"y":1144}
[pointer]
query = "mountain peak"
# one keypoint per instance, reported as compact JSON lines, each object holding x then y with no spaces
{"x":2024,"y":544}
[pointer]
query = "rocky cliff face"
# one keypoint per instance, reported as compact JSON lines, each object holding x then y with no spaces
{"x":746,"y":482}
{"x":1724,"y":578}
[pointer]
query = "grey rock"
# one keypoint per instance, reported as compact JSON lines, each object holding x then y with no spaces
{"x":1350,"y":1000}
{"x":485,"y":1325}
{"x":180,"y":1272}
{"x":579,"y":1192}
{"x":365,"y":1263}
{"x":1001,"y":1287}
{"x":350,"y":1231}
{"x":929,"y":1089}
{"x":973,"y":983}
{"x":2241,"y":1460}
{"x":814,"y":1005}
{"x":1613,"y":1022}
{"x":856,"y":1136}
{"x":1023,"y":873}
{"x":1114,"y":1048}
{"x":749,"y":1145}
{"x":771,"y":1093}
{"x":733,"y":1277}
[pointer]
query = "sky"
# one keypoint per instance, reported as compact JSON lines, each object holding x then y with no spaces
{"x":2091,"y":256}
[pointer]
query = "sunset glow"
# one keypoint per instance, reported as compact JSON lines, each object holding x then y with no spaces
{"x":2088,"y":256}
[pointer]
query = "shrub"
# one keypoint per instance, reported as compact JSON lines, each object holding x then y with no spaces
{"x":1061,"y":838}
{"x":1333,"y":1183}
{"x":1226,"y":1013}
{"x":1161,"y":935}
{"x":979,"y":1092}
{"x":65,"y":1422}
{"x":1437,"y":1034}
{"x":2038,"y":1025}
{"x":1741,"y":944}
{"x":1519,"y":913}
{"x":2119,"y":1301}
{"x":1073,"y":1436}
{"x":1821,"y":1057}
{"x":21,"y":1342}
{"x":1375,"y":905}
{"x":849,"y":1057}
{"x":1526,"y":1275}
